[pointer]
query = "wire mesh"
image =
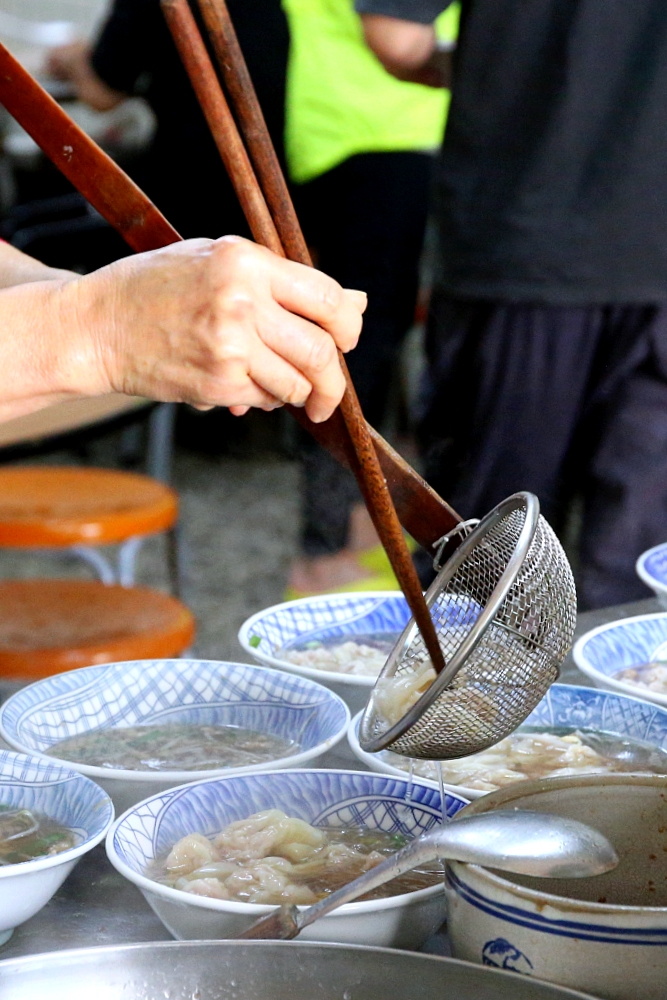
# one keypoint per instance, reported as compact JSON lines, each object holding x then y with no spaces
{"x":518,"y":651}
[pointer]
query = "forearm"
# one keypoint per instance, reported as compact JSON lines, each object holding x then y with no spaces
{"x":40,"y":363}
{"x":17,"y":268}
{"x":32,"y":334}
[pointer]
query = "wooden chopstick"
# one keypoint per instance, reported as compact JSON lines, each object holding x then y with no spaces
{"x":250,"y":118}
{"x":221,"y":124}
{"x":204,"y":80}
{"x":125,"y":206}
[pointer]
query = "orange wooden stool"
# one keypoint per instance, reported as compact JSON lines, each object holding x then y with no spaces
{"x":58,"y":507}
{"x":47,"y":626}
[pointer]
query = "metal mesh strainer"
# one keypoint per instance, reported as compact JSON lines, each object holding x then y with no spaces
{"x":504,"y":608}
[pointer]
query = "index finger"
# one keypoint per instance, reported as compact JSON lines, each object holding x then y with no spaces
{"x":317,"y":297}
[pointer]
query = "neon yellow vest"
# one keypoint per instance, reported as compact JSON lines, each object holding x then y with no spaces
{"x":340,"y":99}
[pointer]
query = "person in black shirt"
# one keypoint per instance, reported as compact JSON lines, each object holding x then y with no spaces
{"x":547,"y":340}
{"x":182,"y":171}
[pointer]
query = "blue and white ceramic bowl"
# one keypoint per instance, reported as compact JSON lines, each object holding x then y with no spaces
{"x":327,"y":798}
{"x":142,"y":692}
{"x":63,"y":795}
{"x":562,"y":705}
{"x":605,"y":935}
{"x":604,"y":651}
{"x":330,"y":616}
{"x":652,"y":569}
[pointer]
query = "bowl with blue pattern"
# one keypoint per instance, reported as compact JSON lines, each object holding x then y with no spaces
{"x":652,"y":569}
{"x":564,"y":707}
{"x":321,"y":798}
{"x":605,"y":935}
{"x":48,"y":789}
{"x":614,"y":655}
{"x":160,"y":692}
{"x":326,"y":620}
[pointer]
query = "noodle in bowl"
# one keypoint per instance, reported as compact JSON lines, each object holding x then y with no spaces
{"x":610,"y":655}
{"x":179,"y":692}
{"x":48,"y":789}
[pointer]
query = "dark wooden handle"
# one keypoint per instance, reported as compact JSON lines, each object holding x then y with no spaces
{"x":251,"y":121}
{"x":118,"y":199}
{"x":204,"y":80}
{"x":219,"y":119}
{"x":90,"y":170}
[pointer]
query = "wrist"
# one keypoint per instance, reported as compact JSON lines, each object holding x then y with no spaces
{"x":73,"y":344}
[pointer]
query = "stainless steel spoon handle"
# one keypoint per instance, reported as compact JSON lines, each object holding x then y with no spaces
{"x":527,"y":843}
{"x":519,"y":841}
{"x":288,"y":921}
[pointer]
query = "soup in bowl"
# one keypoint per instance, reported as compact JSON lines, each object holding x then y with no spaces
{"x":573,"y":730}
{"x":214,"y":856}
{"x":341,"y":640}
{"x":50,"y":816}
{"x":143,"y":726}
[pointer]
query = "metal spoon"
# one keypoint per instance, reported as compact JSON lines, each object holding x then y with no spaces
{"x":526,"y":843}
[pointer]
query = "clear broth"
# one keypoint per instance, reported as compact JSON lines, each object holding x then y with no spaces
{"x":26,"y":835}
{"x":173,"y":747}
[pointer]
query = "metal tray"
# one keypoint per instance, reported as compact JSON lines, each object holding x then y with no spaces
{"x":260,"y":970}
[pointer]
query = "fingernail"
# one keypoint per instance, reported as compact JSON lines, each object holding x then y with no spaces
{"x":361,"y":297}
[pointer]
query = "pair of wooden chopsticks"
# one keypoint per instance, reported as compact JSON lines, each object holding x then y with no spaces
{"x":262,"y":192}
{"x":125,"y":207}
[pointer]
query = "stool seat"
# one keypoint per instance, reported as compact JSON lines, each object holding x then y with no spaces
{"x":47,"y":626}
{"x":63,"y":506}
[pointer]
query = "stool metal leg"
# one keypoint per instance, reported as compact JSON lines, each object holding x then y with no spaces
{"x":161,"y":442}
{"x":173,"y":539}
{"x":159,"y":457}
{"x":99,"y":562}
{"x":127,"y":556}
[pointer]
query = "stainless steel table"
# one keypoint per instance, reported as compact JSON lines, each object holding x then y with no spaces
{"x":97,"y":906}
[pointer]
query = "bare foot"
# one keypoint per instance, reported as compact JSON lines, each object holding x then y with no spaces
{"x":321,"y":573}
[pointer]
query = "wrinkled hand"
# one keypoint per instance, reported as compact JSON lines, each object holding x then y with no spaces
{"x":214,"y":323}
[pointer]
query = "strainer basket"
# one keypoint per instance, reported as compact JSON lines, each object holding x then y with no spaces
{"x":504,"y":609}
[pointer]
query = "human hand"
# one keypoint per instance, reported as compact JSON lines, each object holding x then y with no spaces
{"x":72,"y":63}
{"x":408,"y":50}
{"x":212,"y":323}
{"x":65,"y":62}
